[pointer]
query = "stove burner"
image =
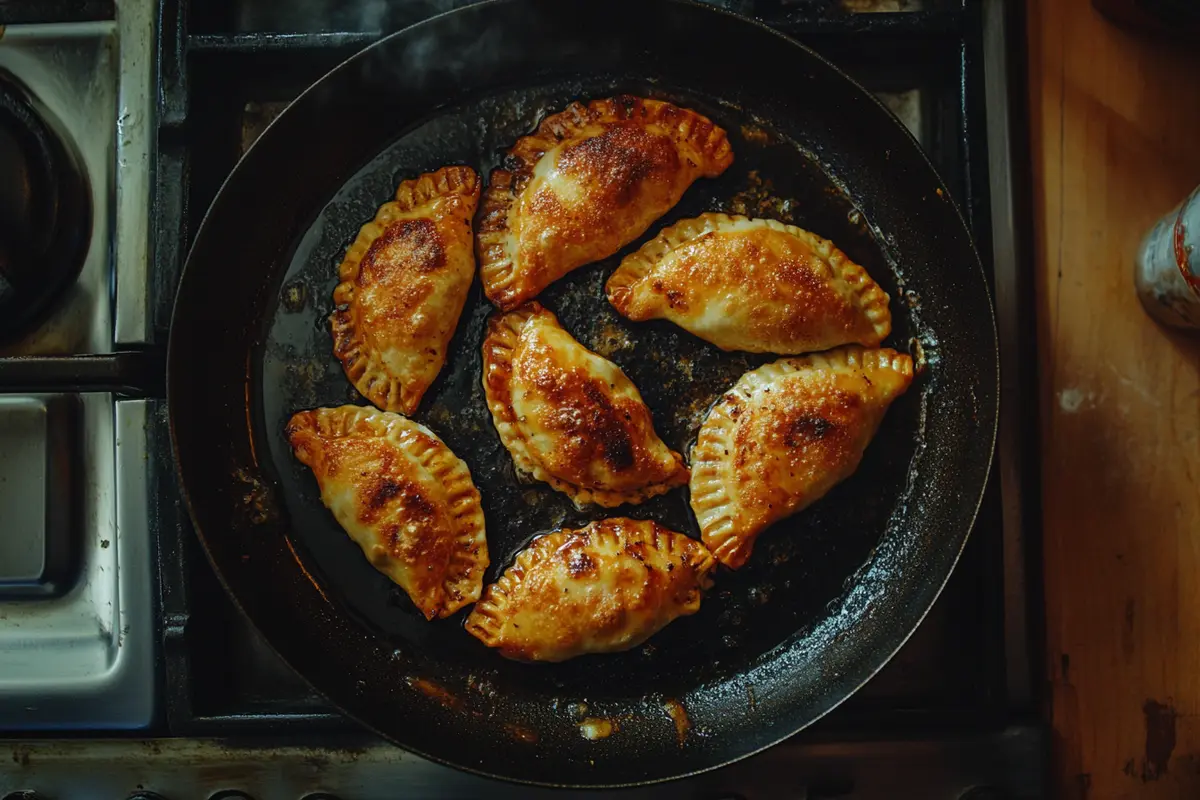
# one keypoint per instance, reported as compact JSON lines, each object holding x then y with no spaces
{"x":45,"y":210}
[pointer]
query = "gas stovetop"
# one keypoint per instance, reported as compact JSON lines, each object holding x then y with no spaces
{"x":955,"y":712}
{"x":77,"y":637}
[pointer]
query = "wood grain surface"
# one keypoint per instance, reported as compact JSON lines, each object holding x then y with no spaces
{"x":1115,"y":120}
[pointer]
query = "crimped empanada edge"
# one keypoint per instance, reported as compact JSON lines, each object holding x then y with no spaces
{"x":607,"y":499}
{"x":335,"y":422}
{"x":853,"y":356}
{"x":499,"y":344}
{"x":365,"y":370}
{"x":463,"y":582}
{"x":486,"y":620}
{"x":431,"y":186}
{"x":710,"y":496}
{"x":492,"y":235}
{"x":709,"y":140}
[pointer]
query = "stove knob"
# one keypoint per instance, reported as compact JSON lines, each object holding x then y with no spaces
{"x":143,"y":795}
{"x":229,"y":794}
{"x":24,"y":794}
{"x":320,"y":796}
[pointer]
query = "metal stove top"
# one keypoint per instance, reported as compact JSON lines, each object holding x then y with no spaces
{"x":953,"y":715}
{"x":76,"y":603}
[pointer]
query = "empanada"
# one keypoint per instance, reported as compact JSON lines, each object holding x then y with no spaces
{"x":570,"y":417}
{"x":403,"y":497}
{"x":589,"y":181}
{"x":404,"y":281}
{"x":752,"y":284}
{"x":604,"y":588}
{"x":783,"y":436}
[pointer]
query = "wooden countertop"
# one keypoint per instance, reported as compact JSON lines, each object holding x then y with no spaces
{"x":1115,"y":120}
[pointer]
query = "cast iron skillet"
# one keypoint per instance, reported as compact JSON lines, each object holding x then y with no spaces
{"x":828,"y":596}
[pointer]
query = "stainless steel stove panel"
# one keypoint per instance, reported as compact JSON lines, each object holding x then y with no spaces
{"x":24,"y":531}
{"x":72,"y":69}
{"x":38,"y":494}
{"x":85,"y":659}
{"x":135,"y":140}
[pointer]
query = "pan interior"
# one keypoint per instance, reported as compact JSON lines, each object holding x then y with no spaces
{"x":799,"y":568}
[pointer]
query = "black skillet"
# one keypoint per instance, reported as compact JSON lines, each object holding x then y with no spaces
{"x":829,"y":595}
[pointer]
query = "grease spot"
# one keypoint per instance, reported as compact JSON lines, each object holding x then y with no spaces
{"x":434,"y":691}
{"x":595,"y":728}
{"x":1160,"y":739}
{"x":758,"y":135}
{"x":758,"y":199}
{"x":521,"y":733}
{"x":295,"y":297}
{"x":257,"y":502}
{"x":679,"y":716}
{"x":611,"y":339}
{"x":1071,"y":400}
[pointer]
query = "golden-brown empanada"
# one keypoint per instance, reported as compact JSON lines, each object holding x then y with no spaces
{"x":403,"y":497}
{"x":570,"y":417}
{"x":752,"y":284}
{"x":783,"y":436}
{"x":589,"y":181}
{"x":404,"y":281}
{"x":604,"y":588}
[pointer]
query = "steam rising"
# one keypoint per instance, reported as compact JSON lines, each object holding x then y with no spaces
{"x":450,"y":50}
{"x":366,"y":16}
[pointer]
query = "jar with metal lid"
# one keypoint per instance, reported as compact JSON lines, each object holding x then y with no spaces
{"x":1167,"y":272}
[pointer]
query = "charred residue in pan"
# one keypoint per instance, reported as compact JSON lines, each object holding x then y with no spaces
{"x":799,"y":568}
{"x":679,"y":717}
